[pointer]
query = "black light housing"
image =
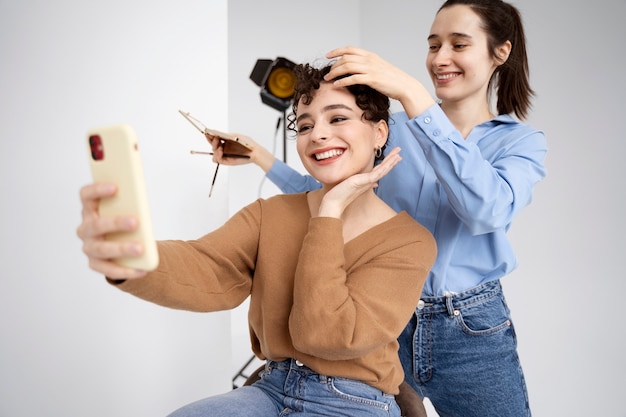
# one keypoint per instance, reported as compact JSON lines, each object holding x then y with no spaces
{"x":277,"y":80}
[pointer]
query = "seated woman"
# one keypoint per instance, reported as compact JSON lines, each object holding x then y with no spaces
{"x":333,"y":275}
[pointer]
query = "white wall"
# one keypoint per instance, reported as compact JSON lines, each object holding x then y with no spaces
{"x":565,"y":296}
{"x":71,"y":345}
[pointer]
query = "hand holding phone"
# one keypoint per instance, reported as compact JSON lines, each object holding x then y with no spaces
{"x":114,"y":157}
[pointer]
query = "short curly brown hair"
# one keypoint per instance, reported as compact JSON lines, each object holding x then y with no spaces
{"x":374,"y":104}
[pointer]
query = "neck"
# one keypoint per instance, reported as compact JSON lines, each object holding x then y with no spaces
{"x":359,"y":206}
{"x":364,"y":212}
{"x":465,"y":116}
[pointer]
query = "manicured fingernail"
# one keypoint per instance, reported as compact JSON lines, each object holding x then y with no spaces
{"x":135,"y":248}
{"x":130,"y":223}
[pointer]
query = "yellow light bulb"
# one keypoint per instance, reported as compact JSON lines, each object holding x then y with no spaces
{"x":281,"y":82}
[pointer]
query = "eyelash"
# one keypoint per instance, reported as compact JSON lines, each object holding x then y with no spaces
{"x":434,"y":48}
{"x":335,"y":119}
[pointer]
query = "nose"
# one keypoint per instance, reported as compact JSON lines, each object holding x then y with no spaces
{"x":319,"y":133}
{"x":441,"y":58}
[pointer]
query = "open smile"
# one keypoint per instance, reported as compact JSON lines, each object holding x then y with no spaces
{"x":443,"y":78}
{"x":328,"y":154}
{"x":447,"y":76}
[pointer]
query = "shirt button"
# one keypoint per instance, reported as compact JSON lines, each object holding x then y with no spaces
{"x":427,"y":119}
{"x":436,"y":132}
{"x":420,"y":304}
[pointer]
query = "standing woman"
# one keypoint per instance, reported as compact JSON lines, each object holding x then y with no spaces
{"x":467,"y":171}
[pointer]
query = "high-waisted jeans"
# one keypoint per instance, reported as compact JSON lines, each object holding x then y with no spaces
{"x":289,"y":388}
{"x":460,"y":351}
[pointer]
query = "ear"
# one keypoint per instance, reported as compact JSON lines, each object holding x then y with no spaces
{"x":502,"y":52}
{"x":382,"y":133}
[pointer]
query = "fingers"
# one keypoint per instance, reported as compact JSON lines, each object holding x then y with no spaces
{"x":391,"y":160}
{"x":101,"y":252}
{"x":345,"y":50}
{"x":91,"y":194}
{"x":356,"y":65}
{"x":221,"y":157}
{"x":93,"y":225}
{"x":94,"y":228}
{"x":115,"y":271}
{"x":336,"y":200}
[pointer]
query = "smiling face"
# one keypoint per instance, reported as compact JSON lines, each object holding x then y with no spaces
{"x":334,"y":141}
{"x":459,"y":62}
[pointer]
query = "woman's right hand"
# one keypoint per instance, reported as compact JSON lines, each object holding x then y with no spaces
{"x":258,"y":155}
{"x":360,"y":66}
{"x":94,"y":227}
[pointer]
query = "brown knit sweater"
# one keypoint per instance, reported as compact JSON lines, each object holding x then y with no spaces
{"x":336,"y":307}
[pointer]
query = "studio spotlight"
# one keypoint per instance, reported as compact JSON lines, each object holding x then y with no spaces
{"x":277,"y":81}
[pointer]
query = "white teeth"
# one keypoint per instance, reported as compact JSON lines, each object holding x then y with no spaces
{"x":445,"y":76}
{"x":328,"y":154}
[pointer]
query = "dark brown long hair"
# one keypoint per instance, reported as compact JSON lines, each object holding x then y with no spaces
{"x":502,"y":22}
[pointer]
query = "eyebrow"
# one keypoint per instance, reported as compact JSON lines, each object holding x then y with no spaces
{"x":453,"y":35}
{"x":325,"y":109}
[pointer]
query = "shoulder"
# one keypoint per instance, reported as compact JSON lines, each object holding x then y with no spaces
{"x":412,"y":228}
{"x":289,"y":202}
{"x":402,"y":230}
{"x":514,"y":134}
{"x":405,"y":237}
{"x":521,"y":129}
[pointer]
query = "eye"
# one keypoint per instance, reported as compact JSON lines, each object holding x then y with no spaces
{"x":304,"y":128}
{"x":433,"y":47}
{"x":459,"y":46}
{"x":338,"y":119}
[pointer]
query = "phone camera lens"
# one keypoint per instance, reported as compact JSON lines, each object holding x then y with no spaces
{"x":95,"y":144}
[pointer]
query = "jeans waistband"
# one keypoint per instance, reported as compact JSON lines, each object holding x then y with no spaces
{"x":296,"y":365}
{"x":452,"y":301}
{"x":288,"y":364}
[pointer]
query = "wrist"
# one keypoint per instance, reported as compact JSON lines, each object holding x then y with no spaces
{"x":416,"y":100}
{"x":263,"y":158}
{"x":329,"y":209}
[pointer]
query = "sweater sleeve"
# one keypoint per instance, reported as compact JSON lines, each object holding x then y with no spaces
{"x":341,"y":314}
{"x":211,"y":273}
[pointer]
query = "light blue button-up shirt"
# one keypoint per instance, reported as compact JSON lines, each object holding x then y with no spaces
{"x":465,"y":191}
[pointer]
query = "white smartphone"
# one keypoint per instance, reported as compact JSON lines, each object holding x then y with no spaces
{"x":114,"y":157}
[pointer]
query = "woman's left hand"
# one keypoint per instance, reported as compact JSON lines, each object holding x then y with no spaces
{"x":341,"y":195}
{"x":364,"y":67}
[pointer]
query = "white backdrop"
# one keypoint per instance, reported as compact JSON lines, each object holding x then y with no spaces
{"x":71,"y":345}
{"x":565,"y":296}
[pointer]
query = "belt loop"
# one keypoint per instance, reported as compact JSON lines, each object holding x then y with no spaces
{"x":449,"y":305}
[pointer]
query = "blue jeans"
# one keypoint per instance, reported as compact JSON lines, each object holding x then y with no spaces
{"x":460,"y":351}
{"x":289,"y":388}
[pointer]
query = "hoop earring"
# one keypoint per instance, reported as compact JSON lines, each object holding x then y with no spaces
{"x":378,"y":152}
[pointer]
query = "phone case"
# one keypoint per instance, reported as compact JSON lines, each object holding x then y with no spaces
{"x":114,"y":157}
